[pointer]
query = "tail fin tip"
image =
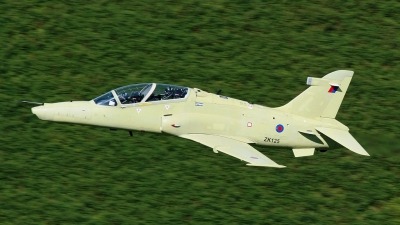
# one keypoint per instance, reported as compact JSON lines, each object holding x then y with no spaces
{"x":339,"y":75}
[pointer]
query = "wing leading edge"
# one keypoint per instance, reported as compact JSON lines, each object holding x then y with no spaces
{"x":233,"y":148}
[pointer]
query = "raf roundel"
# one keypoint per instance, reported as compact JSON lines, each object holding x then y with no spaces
{"x":279,"y":128}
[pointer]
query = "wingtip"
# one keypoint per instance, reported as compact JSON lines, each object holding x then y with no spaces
{"x":267,"y":165}
{"x":360,"y":152}
{"x":33,"y":103}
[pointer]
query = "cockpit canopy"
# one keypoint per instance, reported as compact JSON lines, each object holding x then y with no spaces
{"x":146,"y":92}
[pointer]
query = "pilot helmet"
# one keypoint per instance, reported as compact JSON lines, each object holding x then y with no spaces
{"x":168,"y":90}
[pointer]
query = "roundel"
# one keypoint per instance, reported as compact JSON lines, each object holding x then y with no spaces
{"x":279,"y":128}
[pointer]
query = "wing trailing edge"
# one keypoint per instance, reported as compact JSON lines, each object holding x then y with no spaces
{"x":234,"y":148}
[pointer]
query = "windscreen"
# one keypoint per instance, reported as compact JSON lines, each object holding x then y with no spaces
{"x":106,"y":99}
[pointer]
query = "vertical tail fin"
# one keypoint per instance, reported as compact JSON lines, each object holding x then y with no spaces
{"x":323,"y":98}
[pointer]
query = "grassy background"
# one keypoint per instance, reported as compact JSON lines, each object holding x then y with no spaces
{"x":259,"y":51}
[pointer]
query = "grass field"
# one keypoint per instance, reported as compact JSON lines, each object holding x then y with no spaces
{"x":259,"y":51}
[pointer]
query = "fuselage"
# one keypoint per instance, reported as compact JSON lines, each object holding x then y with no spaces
{"x":198,"y":112}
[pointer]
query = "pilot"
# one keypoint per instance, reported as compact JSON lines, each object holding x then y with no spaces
{"x":177,"y":93}
{"x":184,"y":92}
{"x":123,"y":98}
{"x":168,"y":94}
{"x":180,"y":93}
{"x":135,"y":97}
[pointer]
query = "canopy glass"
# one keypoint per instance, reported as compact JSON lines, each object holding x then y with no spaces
{"x":146,"y":92}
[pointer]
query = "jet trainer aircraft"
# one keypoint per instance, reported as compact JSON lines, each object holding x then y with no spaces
{"x":228,"y":125}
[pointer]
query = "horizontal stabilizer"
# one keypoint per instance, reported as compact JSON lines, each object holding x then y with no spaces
{"x":234,"y":148}
{"x":344,"y":138}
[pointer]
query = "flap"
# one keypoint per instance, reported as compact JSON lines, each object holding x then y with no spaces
{"x":344,"y":138}
{"x":233,"y":148}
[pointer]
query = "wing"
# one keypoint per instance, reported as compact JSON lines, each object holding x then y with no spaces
{"x":233,"y":148}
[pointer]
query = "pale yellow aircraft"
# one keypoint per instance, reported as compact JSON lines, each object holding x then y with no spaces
{"x":305,"y":124}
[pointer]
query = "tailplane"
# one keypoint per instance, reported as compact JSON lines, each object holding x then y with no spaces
{"x":344,"y":138}
{"x":323,"y":98}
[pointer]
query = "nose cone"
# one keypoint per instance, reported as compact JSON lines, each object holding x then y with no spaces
{"x":43,"y":112}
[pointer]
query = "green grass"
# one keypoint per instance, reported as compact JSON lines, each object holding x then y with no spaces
{"x":259,"y":51}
